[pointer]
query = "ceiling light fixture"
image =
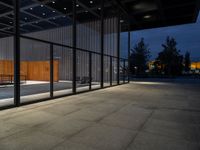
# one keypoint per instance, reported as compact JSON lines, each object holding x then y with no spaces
{"x":147,"y":16}
{"x":53,"y":2}
{"x":41,"y":5}
{"x":91,"y":2}
{"x":77,"y":5}
{"x":43,"y":14}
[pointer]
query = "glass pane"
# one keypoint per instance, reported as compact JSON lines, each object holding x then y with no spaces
{"x":35,"y":70}
{"x":96,"y":71}
{"x":6,"y":70}
{"x":82,"y":70}
{"x":6,"y":53}
{"x":63,"y":74}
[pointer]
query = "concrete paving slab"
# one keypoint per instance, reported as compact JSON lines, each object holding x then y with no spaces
{"x":63,"y":127}
{"x":172,"y":129}
{"x":105,"y":137}
{"x":32,"y":119}
{"x":88,"y":115}
{"x":68,"y":145}
{"x":29,"y":140}
{"x":147,"y":141}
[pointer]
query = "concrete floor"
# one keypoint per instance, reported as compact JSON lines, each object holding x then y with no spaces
{"x":136,"y":116}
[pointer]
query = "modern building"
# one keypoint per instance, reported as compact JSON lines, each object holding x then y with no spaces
{"x":195,"y":67}
{"x":54,"y":48}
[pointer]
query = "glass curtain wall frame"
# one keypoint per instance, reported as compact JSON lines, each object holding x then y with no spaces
{"x":110,"y":45}
{"x":88,"y":39}
{"x":47,"y":31}
{"x":124,"y":48}
{"x":7,"y":57}
{"x":34,"y":22}
{"x":6,"y":70}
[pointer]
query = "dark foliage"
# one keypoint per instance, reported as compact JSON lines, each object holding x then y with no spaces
{"x":140,"y":55}
{"x":170,"y":58}
{"x":187,"y":62}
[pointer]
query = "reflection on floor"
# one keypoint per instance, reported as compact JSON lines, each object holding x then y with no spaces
{"x":34,"y":90}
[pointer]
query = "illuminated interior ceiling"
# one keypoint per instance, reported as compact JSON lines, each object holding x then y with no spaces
{"x":39,"y":15}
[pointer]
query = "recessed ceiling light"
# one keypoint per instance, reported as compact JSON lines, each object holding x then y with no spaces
{"x":121,"y":21}
{"x":25,"y":18}
{"x":99,"y":8}
{"x":43,"y":14}
{"x":77,"y":5}
{"x":41,"y":5}
{"x":11,"y":22}
{"x":53,"y":11}
{"x":91,"y":2}
{"x":65,"y":8}
{"x":31,"y":8}
{"x":147,"y":16}
{"x":53,"y":2}
{"x":86,"y":11}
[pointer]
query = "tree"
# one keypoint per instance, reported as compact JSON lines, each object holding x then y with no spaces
{"x":187,"y":62}
{"x":170,"y":58}
{"x":140,"y":55}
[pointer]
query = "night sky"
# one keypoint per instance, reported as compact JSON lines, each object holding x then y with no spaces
{"x":187,"y":37}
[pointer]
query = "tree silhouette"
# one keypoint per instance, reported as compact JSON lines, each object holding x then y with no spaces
{"x":170,"y":58}
{"x":140,"y":55}
{"x":187,"y":62}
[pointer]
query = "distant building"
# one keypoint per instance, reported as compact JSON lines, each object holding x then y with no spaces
{"x":195,"y":67}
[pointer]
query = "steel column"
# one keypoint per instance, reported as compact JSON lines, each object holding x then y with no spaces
{"x":118,"y":48}
{"x":90,"y":71}
{"x":124,"y":75}
{"x":16,"y":52}
{"x":129,"y":52}
{"x":111,"y":70}
{"x":51,"y":71}
{"x":74,"y":47}
{"x":102,"y":43}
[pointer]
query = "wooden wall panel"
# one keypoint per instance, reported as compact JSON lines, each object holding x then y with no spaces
{"x":33,"y":70}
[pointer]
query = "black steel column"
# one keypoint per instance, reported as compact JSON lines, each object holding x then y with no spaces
{"x":118,"y":48}
{"x":129,"y":53}
{"x":102,"y":43}
{"x":74,"y":47}
{"x":111,"y":70}
{"x":124,"y":75}
{"x":51,"y":71}
{"x":16,"y":53}
{"x":90,"y":70}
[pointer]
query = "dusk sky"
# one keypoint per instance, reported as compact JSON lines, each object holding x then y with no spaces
{"x":187,"y":37}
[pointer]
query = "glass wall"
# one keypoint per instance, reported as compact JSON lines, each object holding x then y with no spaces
{"x":6,"y":53}
{"x":45,"y":28}
{"x":96,"y":70}
{"x":34,"y":70}
{"x":63,"y":72}
{"x":51,"y":63}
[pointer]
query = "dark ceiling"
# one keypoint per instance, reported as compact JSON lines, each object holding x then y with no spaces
{"x":39,"y":15}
